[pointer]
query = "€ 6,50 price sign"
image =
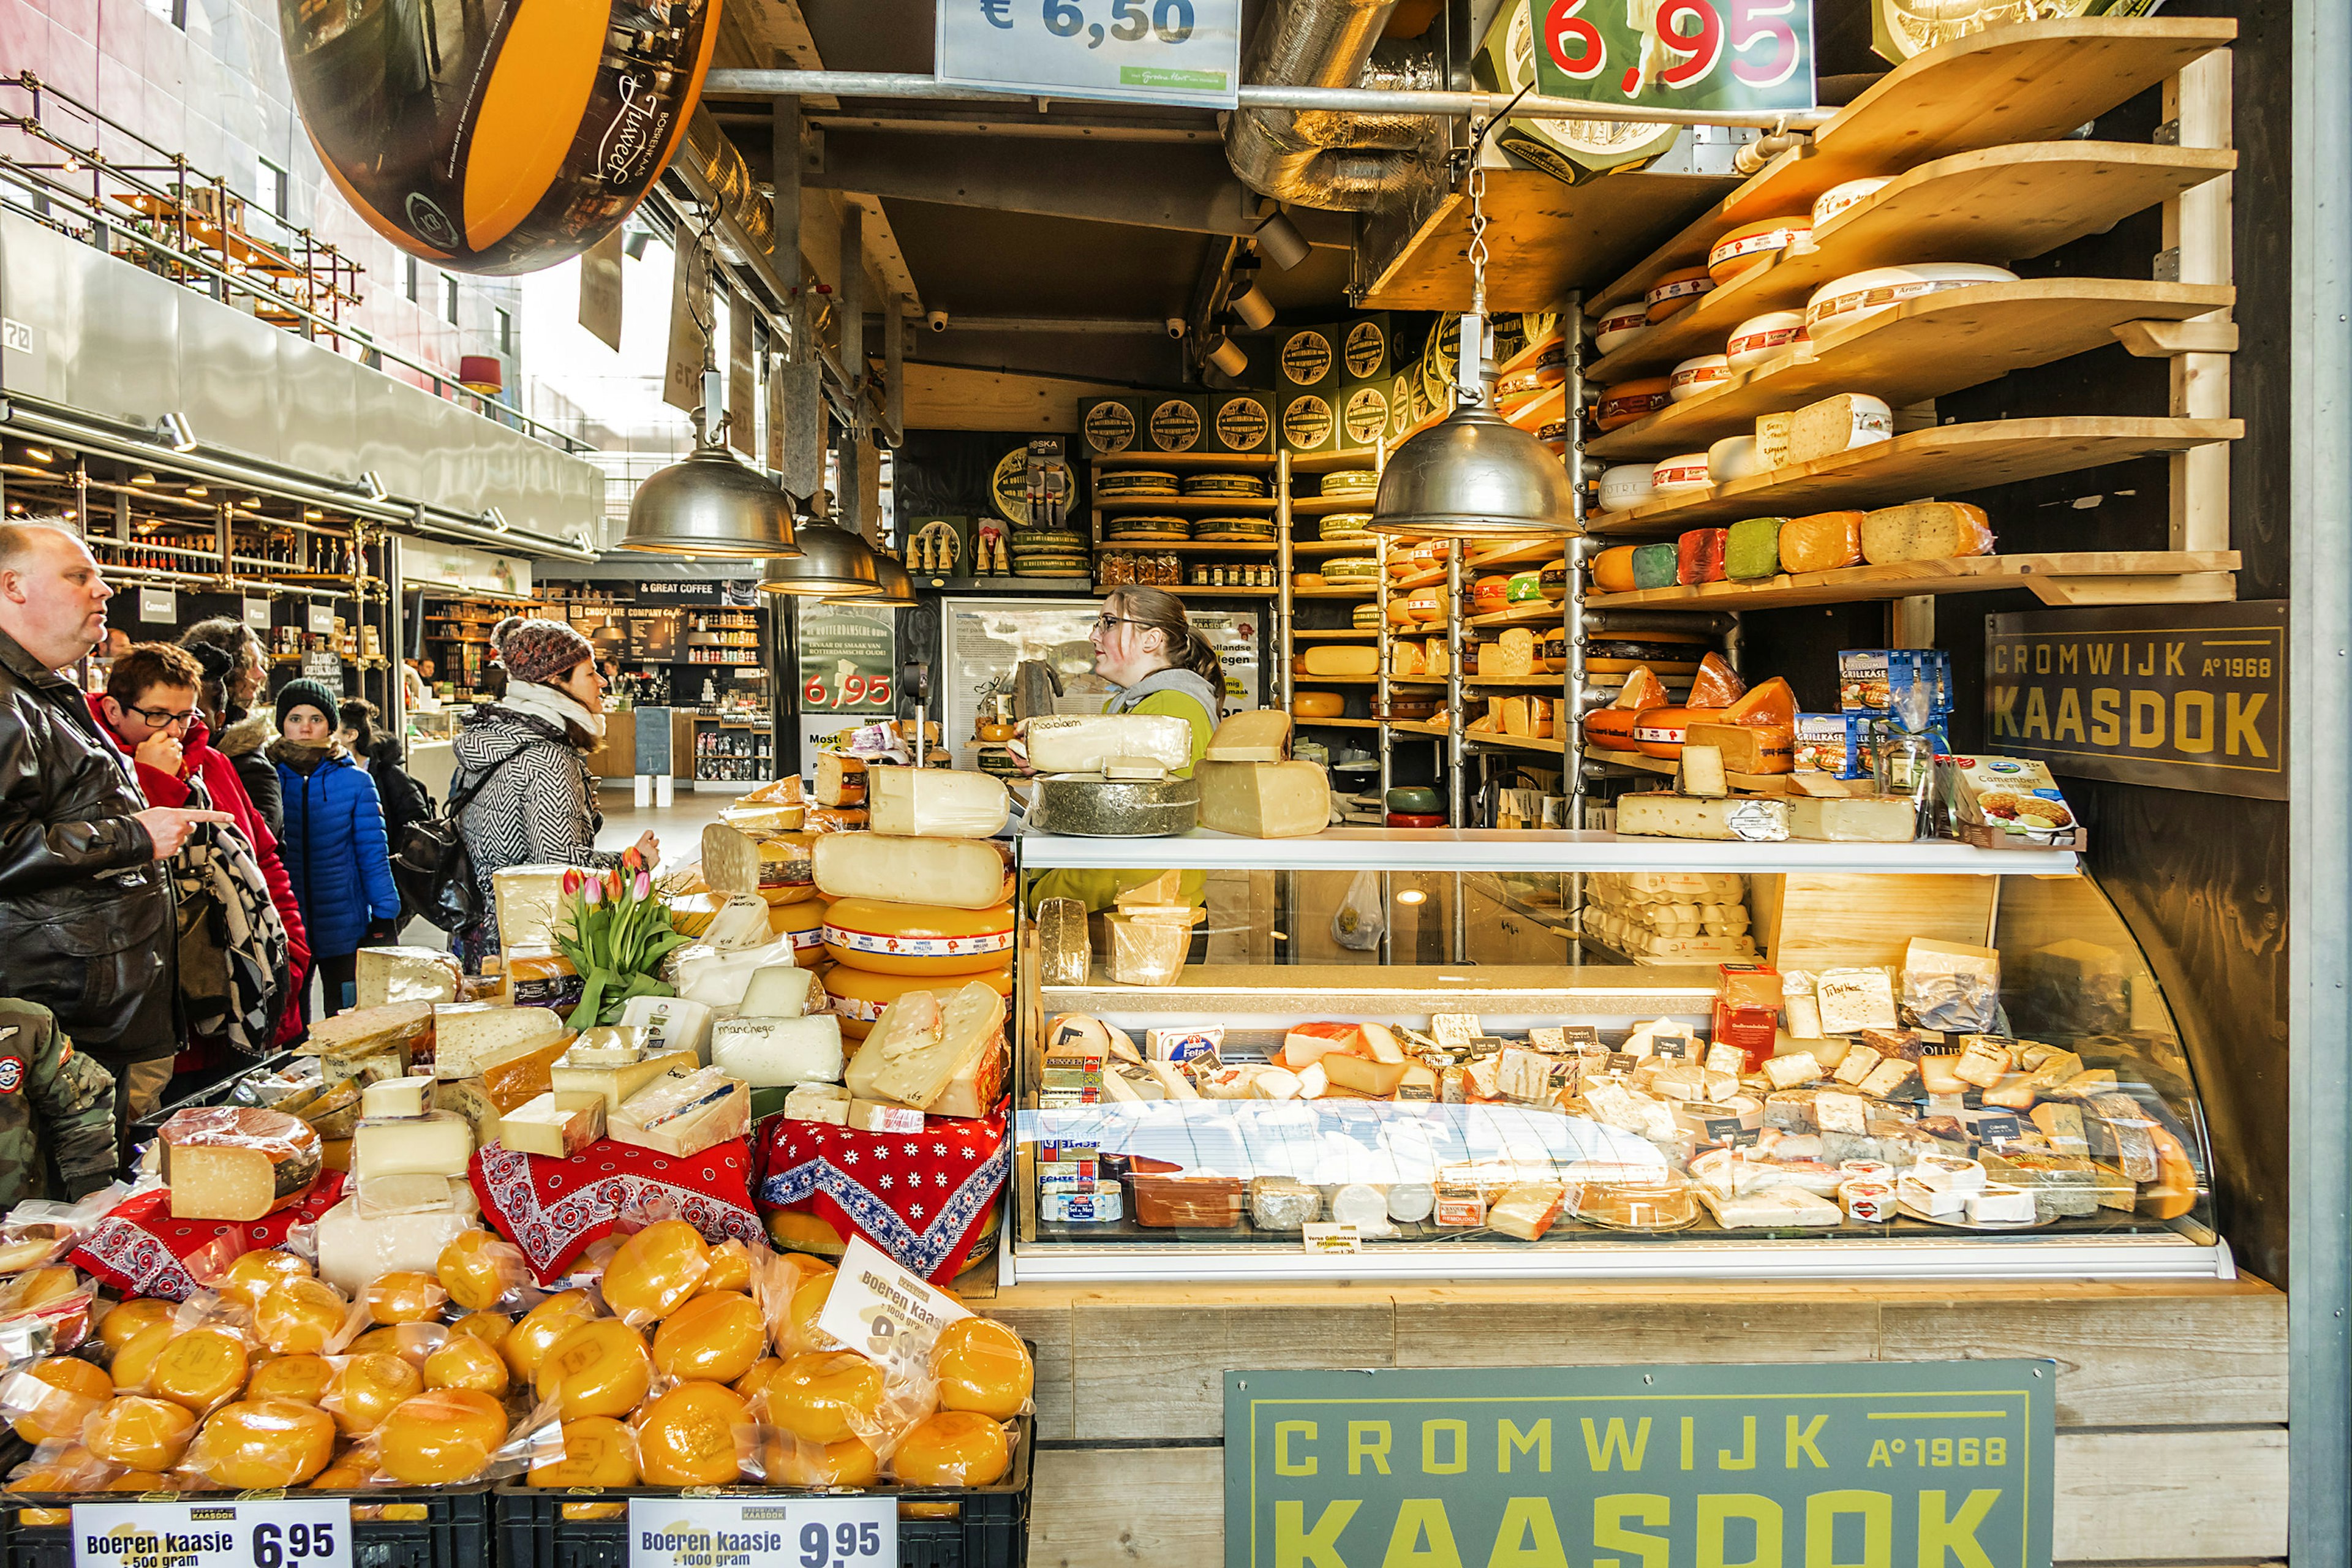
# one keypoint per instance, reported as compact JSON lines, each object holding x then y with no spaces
{"x":280,"y":1532}
{"x":1152,"y":51}
{"x":1693,"y":54}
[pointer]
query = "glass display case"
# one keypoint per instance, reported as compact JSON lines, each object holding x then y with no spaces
{"x":1440,"y":1053}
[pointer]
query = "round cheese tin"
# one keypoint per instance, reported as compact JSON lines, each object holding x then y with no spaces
{"x":1869,"y":1203}
{"x":1693,"y":376}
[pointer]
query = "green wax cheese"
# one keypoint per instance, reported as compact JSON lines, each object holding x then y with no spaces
{"x":1754,"y":549}
{"x":1655,"y":566}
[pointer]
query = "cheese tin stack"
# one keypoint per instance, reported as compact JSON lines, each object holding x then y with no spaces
{"x":1127,"y":483}
{"x":1361,"y":482}
{"x":1048,"y":552}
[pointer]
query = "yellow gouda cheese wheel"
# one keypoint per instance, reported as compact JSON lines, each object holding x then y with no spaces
{"x":655,"y":1271}
{"x":953,"y":1449}
{"x":491,"y":1328}
{"x":300,"y":1317}
{"x":255,"y":1274}
{"x":791,"y":1463}
{"x":686,"y":1437}
{"x":143,"y":1433}
{"x":203,"y":1371}
{"x":718,"y":1335}
{"x":440,"y":1437}
{"x":262,"y":1442}
{"x":918,"y":938}
{"x":468,"y":1362}
{"x":731,"y":1268}
{"x":405,"y":1298}
{"x":598,"y":1451}
{"x":600,"y":1368}
{"x":477,"y":1269}
{"x":303,"y":1377}
{"x":983,"y":1366}
{"x":127,"y":1320}
{"x":825,"y":1396}
{"x":76,"y":1388}
{"x":367,"y":1388}
{"x":526,"y":1344}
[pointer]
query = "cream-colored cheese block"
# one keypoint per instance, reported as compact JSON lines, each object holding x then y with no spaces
{"x":529,"y":899}
{"x":617,"y":1084}
{"x":369,"y":1066}
{"x":826,"y":1102}
{"x":405,"y":974}
{"x":465,"y":1097}
{"x":1837,"y":425}
{"x":1852,"y":999}
{"x":1666,"y":816}
{"x":1404,"y":661}
{"x":669,"y":1023}
{"x":436,"y":1145}
{"x":741,"y":922}
{"x":962,"y":874}
{"x":683,"y":1116}
{"x":371,"y":1031}
{"x":1925,"y":531}
{"x":1082,"y":743}
{"x":555,"y":1125}
{"x":355,"y":1249}
{"x":1265,"y":800}
{"x":719,"y":980}
{"x":923,"y":1040}
{"x":1257,"y":735}
{"x":1887,"y":1077}
{"x":1884,"y":819}
{"x":1788,"y":1071}
{"x":472,"y":1036}
{"x":396,"y":1097}
{"x":935,"y":802}
{"x":777,"y":1052}
{"x":1342,"y":660}
{"x":782,"y":991}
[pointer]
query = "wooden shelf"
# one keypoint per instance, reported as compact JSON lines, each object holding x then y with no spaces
{"x":1337,"y":723}
{"x":1171,"y":462}
{"x":1331,"y":546}
{"x":1997,"y":205}
{"x":2030,"y":81}
{"x":1746,"y":783}
{"x":1238,"y":506}
{"x":1923,"y":348}
{"x":2077,"y":578}
{"x":1944,"y":460}
{"x":1334,"y":634}
{"x":1316,"y":680}
{"x":1363,"y":592}
{"x":1516,"y":743}
{"x":1543,"y":615}
{"x":1147,"y":547}
{"x":1551,"y":680}
{"x":1531,"y":552}
{"x":1323,"y":506}
{"x":1189,"y":592}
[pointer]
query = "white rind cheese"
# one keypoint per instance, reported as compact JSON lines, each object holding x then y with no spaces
{"x":962,"y":874}
{"x":356,"y":1249}
{"x":1083,"y":743}
{"x":777,"y":1053}
{"x":782,"y":991}
{"x":669,"y":1023}
{"x":934,"y":803}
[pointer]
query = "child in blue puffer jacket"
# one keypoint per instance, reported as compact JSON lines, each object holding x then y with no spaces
{"x":334,"y":846}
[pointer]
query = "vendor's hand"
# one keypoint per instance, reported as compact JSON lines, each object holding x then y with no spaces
{"x":381,"y":931}
{"x":161,"y":752}
{"x":648,"y":849}
{"x":169,"y":825}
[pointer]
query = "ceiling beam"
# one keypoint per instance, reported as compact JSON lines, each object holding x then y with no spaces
{"x":956,"y":398}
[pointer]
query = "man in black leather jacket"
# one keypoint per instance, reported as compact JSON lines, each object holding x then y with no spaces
{"x":87,"y":923}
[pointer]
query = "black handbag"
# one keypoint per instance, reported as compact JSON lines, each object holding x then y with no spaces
{"x":433,"y":868}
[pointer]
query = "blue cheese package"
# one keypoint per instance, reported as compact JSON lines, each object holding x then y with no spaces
{"x":1874,"y":680}
{"x":1837,"y":744}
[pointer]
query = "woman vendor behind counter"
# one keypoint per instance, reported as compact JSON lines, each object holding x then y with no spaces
{"x":1146,"y":646}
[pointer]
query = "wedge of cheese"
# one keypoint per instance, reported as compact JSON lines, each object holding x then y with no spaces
{"x":962,"y":874}
{"x":935,"y":802}
{"x":840,"y":779}
{"x":773,"y":866}
{"x":683,"y":1116}
{"x":1886,"y":819}
{"x":470,"y":1037}
{"x":924,"y":1042}
{"x":405,"y":975}
{"x":1255,"y":735}
{"x":1265,"y":800}
{"x":617,"y":1084}
{"x":395,"y":1026}
{"x":555,"y":1125}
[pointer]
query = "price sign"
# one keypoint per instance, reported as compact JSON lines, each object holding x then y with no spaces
{"x":772,"y":1531}
{"x":1147,"y":51}
{"x":1694,"y":54}
{"x":848,"y":658}
{"x":280,"y":1532}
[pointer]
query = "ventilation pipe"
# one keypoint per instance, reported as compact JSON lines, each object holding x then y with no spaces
{"x":1318,"y":158}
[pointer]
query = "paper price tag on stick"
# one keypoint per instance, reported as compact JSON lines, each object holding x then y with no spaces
{"x":883,"y":1311}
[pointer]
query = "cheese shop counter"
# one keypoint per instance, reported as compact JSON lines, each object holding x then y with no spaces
{"x":1923,"y":1061}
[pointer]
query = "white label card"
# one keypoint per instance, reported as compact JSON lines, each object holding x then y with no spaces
{"x":277,"y":1533}
{"x":323,"y":615}
{"x":257,"y":614}
{"x":780,"y":1530}
{"x":156,"y":604}
{"x":882,"y":1310}
{"x":1323,"y":1236}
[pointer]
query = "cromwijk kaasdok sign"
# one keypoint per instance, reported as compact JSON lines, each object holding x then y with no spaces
{"x":1863,"y":1466}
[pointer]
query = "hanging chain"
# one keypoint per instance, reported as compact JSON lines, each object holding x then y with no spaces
{"x":1478,"y":252}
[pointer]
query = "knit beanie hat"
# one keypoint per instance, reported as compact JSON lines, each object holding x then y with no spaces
{"x":307,"y":694}
{"x":542,"y":651}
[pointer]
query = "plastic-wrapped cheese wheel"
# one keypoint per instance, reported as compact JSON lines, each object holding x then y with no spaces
{"x":825,"y":1396}
{"x":477,"y":1269}
{"x":303,"y":1377}
{"x":731,"y":1268}
{"x":686,"y":1437}
{"x":465,"y":1361}
{"x":301,"y":1317}
{"x":440,"y":1437}
{"x":806,"y":1306}
{"x":257,"y":1273}
{"x":143,"y":1433}
{"x":137,"y":1358}
{"x":655,"y":1271}
{"x":127,"y":1320}
{"x":403,"y":1297}
{"x":393,"y":1339}
{"x":76,"y":1388}
{"x":71,"y":1469}
{"x":203,"y":1371}
{"x":983,"y":1366}
{"x":348,"y":1476}
{"x":261,"y":1443}
{"x":367,"y":1389}
{"x":491,"y":1328}
{"x":718,"y":1335}
{"x":37,"y":1287}
{"x":953,"y":1449}
{"x":918,"y":938}
{"x":600,"y":1368}
{"x":752,"y":1383}
{"x":526,"y":1344}
{"x":791,"y":1463}
{"x":598,"y":1451}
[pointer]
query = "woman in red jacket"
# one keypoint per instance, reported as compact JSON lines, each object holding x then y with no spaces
{"x":149,"y":707}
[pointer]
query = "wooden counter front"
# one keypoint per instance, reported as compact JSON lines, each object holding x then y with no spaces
{"x":2171,"y":1397}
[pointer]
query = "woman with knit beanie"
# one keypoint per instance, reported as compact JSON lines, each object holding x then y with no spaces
{"x":522,"y":758}
{"x":335,"y":849}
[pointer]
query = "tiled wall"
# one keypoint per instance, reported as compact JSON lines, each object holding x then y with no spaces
{"x":217,"y":88}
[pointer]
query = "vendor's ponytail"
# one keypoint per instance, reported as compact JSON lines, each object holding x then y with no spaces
{"x":1154,"y":611}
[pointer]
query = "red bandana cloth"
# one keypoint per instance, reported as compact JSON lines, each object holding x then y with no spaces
{"x":139,"y":1247}
{"x":556,"y":1209}
{"x":922,"y":1197}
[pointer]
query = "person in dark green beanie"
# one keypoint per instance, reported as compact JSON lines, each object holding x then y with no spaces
{"x":335,"y":847}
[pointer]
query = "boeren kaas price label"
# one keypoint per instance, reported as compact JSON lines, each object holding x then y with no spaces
{"x":763,"y":1533}
{"x":275,"y":1532}
{"x":1147,"y":51}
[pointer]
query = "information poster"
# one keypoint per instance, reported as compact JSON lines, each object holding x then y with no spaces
{"x":848,"y":658}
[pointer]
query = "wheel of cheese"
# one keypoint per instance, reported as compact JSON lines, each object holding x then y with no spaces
{"x":256,"y":1273}
{"x":393,"y":1339}
{"x":789,"y":1462}
{"x":348,"y":1476}
{"x":918,"y":938}
{"x":477,"y":1269}
{"x":719,"y":1335}
{"x":75,"y":1389}
{"x":1759,"y":338}
{"x":142,"y":1433}
{"x":799,"y":1231}
{"x":71,"y":1470}
{"x":1627,"y":486}
{"x":731,"y":1268}
{"x":1621,"y":326}
{"x":1852,"y":193}
{"x":257,"y":1444}
{"x":129,"y":1319}
{"x":686,"y":1437}
{"x":303,"y":1377}
{"x":300,"y":1317}
{"x":983,"y":1366}
{"x":1858,"y":296}
{"x":803,"y":922}
{"x":1693,"y":376}
{"x":526,"y":1344}
{"x":1658,"y":731}
{"x":598,"y":1451}
{"x":825,"y":1396}
{"x":137,"y":1358}
{"x":1741,"y":248}
{"x":858,"y":996}
{"x":1489,"y":595}
{"x":953,"y":1449}
{"x":1733,"y":458}
{"x":801,"y":1333}
{"x":1317,"y":704}
{"x":464,"y":1361}
{"x":406,"y":1297}
{"x":655,"y":1271}
{"x":491,"y":1328}
{"x":600,"y":1368}
{"x":1686,"y":471}
{"x":201,"y":1370}
{"x":1627,"y":401}
{"x":367,"y":1388}
{"x":440,"y":1437}
{"x":1675,"y":290}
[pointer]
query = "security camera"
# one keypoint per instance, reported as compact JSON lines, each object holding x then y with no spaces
{"x":937,"y":321}
{"x":1175,"y":326}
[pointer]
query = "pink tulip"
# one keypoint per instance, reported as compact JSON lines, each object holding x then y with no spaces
{"x":644,"y":885}
{"x":573,"y":880}
{"x":594,"y":892}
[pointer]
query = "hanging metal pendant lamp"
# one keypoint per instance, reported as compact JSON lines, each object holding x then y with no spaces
{"x":1475,"y":474}
{"x":833,"y":564}
{"x":896,"y":591}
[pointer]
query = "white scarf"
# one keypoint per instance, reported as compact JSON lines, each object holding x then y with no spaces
{"x":546,"y":702}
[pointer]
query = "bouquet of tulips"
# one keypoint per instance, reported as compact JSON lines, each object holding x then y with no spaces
{"x":615,"y":932}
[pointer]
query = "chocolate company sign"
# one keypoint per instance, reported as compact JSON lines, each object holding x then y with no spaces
{"x":2189,"y":697}
{"x":1937,"y":1462}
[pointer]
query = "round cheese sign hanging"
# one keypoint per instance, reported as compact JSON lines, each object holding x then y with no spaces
{"x":1242,"y":424}
{"x":1110,"y":428}
{"x":1365,"y":419}
{"x":1367,"y":350}
{"x":496,"y":139}
{"x":1307,"y":358}
{"x":1175,"y":425}
{"x":1307,"y":424}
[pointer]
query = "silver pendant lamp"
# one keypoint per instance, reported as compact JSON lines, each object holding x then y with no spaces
{"x":1475,"y":474}
{"x":897,"y":590}
{"x":832,"y":563}
{"x":710,"y":504}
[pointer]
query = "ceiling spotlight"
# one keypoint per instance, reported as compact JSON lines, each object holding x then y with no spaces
{"x":143,"y":478}
{"x":1256,"y":310}
{"x":1279,"y":241}
{"x":40,"y":454}
{"x":178,"y":432}
{"x":1227,"y":357}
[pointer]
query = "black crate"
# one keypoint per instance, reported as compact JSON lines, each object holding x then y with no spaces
{"x":454,"y":1533}
{"x":990,"y":1529}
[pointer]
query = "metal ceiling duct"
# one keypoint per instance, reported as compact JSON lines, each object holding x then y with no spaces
{"x":710,"y":504}
{"x":1317,"y":158}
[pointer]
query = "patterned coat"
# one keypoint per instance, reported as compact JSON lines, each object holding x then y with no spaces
{"x":537,"y":809}
{"x":56,"y":1110}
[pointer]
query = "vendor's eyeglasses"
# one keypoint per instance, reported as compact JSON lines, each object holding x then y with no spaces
{"x":164,"y":718}
{"x":1104,"y":623}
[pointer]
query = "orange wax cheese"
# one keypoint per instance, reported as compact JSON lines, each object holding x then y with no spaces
{"x":686,"y":1437}
{"x":655,"y":1271}
{"x":918,"y":938}
{"x":527,"y":1344}
{"x":983,"y":1366}
{"x":301,"y":1317}
{"x":403,"y":1297}
{"x":464,"y":1361}
{"x":953,"y":1449}
{"x":1821,"y":543}
{"x":202,"y":1371}
{"x":791,"y":1463}
{"x":598,"y":1451}
{"x":75,"y":1389}
{"x":128,"y":1319}
{"x":600,"y":1368}
{"x":303,"y":1377}
{"x":367,"y":1388}
{"x":144,"y":1434}
{"x":256,"y":1273}
{"x":477,"y":1269}
{"x":440,"y":1437}
{"x":716,"y":1336}
{"x":825,"y":1396}
{"x":259,"y":1444}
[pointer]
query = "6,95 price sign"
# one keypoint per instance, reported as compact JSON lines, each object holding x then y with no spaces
{"x":765,"y":1532}
{"x":1695,"y":53}
{"x":284,"y":1532}
{"x":1149,"y":51}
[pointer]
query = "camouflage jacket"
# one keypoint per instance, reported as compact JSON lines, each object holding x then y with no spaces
{"x":56,"y":1108}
